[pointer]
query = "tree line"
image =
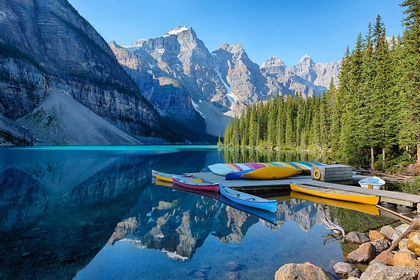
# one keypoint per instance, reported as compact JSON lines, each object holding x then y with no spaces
{"x":371,"y":118}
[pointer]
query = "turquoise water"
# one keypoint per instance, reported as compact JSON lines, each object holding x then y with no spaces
{"x":94,"y":213}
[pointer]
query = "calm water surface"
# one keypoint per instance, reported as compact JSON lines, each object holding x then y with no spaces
{"x":94,"y":213}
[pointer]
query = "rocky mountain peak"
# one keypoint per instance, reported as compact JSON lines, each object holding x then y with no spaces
{"x":306,"y":59}
{"x":177,"y":30}
{"x":273,"y":62}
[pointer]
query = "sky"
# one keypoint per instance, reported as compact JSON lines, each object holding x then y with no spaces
{"x":288,"y":29}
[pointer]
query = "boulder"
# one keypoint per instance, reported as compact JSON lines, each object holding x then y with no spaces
{"x":388,"y":231}
{"x":402,"y":246}
{"x":345,"y":270}
{"x":401,"y":229}
{"x":233,"y":266}
{"x":376,"y":235}
{"x":356,"y":237}
{"x":381,"y":245}
{"x":306,"y":271}
{"x":364,"y":254}
{"x":385,"y":257}
{"x":380,"y":271}
{"x":413,"y":243}
{"x":405,"y":258}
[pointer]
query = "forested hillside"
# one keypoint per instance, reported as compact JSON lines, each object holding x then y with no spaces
{"x":371,"y":118}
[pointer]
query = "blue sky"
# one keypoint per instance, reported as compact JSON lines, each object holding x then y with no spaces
{"x":286,"y":28}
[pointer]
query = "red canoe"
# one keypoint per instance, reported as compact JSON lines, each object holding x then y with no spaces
{"x":195,"y":185}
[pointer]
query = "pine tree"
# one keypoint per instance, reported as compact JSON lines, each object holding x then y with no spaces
{"x":409,"y":133}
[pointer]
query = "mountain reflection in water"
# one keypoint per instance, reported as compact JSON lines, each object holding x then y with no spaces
{"x":66,"y":214}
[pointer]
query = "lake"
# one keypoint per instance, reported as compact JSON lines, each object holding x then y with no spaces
{"x":94,"y":213}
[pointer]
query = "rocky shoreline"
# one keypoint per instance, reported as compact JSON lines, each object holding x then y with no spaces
{"x":375,"y":251}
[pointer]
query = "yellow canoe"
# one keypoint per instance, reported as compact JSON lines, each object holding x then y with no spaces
{"x":335,"y":194}
{"x":163,"y":183}
{"x":365,"y":208}
{"x":272,"y":173}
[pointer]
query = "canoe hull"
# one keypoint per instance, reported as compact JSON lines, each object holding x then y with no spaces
{"x":272,"y":173}
{"x":372,"y":183}
{"x":166,"y":177}
{"x":267,"y":205}
{"x":371,"y":200}
{"x":195,"y":185}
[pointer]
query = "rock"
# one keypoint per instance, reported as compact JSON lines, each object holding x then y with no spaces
{"x":356,"y":237}
{"x":411,"y":234}
{"x":306,"y":271}
{"x":376,"y":235}
{"x":380,"y":271}
{"x":232,"y":275}
{"x":364,"y":254}
{"x":353,"y":278}
{"x":343,"y":269}
{"x":413,"y":243}
{"x":405,"y":258}
{"x":385,"y":257}
{"x":401,"y":229}
{"x":403,"y":244}
{"x":233,"y":266}
{"x":199,"y":274}
{"x":191,"y":272}
{"x":381,"y":245}
{"x":388,"y":231}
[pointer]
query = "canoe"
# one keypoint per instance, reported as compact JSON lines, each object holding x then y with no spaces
{"x":223,"y":169}
{"x":272,"y":173}
{"x":237,"y":175}
{"x":262,"y":214}
{"x":335,"y":194}
{"x":248,"y":199}
{"x":195,"y":185}
{"x":210,"y":194}
{"x":365,"y":208}
{"x":372,"y":183}
{"x":161,"y":176}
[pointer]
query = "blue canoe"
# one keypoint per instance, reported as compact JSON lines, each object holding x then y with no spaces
{"x":238,"y":175}
{"x":248,"y":199}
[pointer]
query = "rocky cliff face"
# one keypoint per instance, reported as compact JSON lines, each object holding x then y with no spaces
{"x":47,"y":46}
{"x":216,"y":84}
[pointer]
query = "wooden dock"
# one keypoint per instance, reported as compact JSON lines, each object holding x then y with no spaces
{"x":398,"y":198}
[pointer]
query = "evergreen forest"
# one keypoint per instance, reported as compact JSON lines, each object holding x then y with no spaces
{"x":371,"y":118}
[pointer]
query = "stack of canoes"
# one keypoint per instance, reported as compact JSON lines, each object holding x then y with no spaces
{"x":261,"y":171}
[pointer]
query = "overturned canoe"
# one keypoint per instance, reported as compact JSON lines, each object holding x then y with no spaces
{"x":335,"y":194}
{"x":161,"y":176}
{"x":248,"y":199}
{"x":195,"y":185}
{"x":271,"y":173}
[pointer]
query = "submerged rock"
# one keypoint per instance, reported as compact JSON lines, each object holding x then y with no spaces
{"x":364,"y":254}
{"x":306,"y":271}
{"x":380,"y":271}
{"x":356,"y":237}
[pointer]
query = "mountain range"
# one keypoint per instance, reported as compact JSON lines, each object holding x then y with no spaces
{"x":178,"y":74}
{"x":62,"y":84}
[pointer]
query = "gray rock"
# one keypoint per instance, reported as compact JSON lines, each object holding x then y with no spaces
{"x":402,"y":246}
{"x":306,"y":271}
{"x":388,"y":231}
{"x":380,"y":271}
{"x":381,"y":245}
{"x":232,"y":266}
{"x":343,"y":269}
{"x":356,"y":237}
{"x":401,"y":228}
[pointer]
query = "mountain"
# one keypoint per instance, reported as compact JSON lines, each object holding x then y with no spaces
{"x":47,"y":48}
{"x":178,"y":74}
